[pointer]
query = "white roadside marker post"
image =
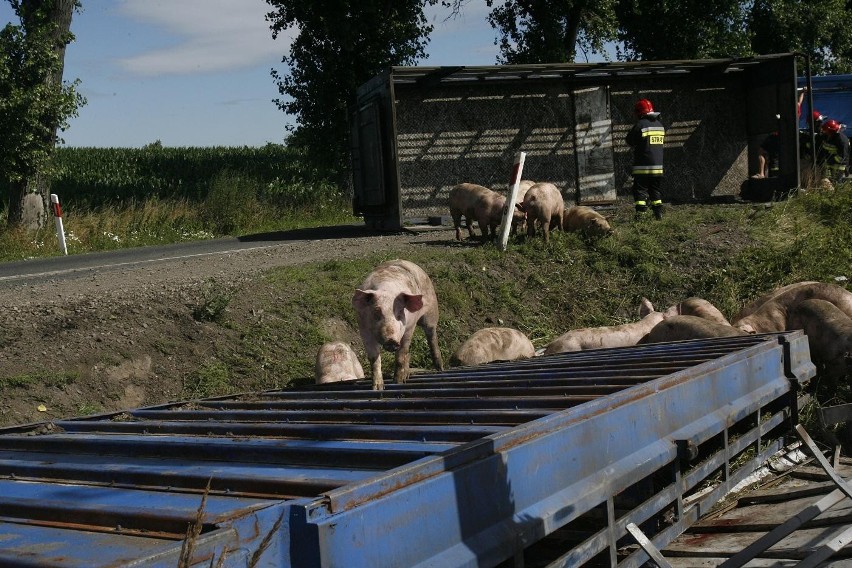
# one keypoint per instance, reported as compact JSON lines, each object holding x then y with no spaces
{"x":509,"y":208}
{"x":60,"y":230}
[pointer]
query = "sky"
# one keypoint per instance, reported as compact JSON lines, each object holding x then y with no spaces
{"x":197,"y":72}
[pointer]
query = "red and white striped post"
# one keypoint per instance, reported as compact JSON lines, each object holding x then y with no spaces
{"x":60,"y":230}
{"x":509,"y":208}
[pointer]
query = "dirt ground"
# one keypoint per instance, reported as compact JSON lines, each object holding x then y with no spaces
{"x":123,"y":338}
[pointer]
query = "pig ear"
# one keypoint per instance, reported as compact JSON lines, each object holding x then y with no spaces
{"x":413,"y":302}
{"x":361,"y":298}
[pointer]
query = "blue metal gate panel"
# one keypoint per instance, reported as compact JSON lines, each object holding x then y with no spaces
{"x":468,"y":467}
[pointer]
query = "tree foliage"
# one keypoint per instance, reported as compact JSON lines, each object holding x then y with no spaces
{"x":544,"y":31}
{"x":687,"y":29}
{"x":34,"y":101}
{"x":340,"y":44}
{"x":818,"y":28}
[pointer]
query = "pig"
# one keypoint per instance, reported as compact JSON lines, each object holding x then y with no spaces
{"x":493,"y":344}
{"x":394,"y":298}
{"x":476,"y":203}
{"x":752,"y":307}
{"x":607,"y":336}
{"x":772,"y":315}
{"x":336,"y":361}
{"x":580,"y":219}
{"x":677,"y":328}
{"x":698,"y":307}
{"x":829,"y":332}
{"x":543,"y":205}
{"x":519,"y":218}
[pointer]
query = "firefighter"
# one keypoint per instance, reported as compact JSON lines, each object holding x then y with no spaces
{"x":833,"y":150}
{"x":647,"y":138}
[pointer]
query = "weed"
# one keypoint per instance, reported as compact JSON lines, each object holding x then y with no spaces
{"x":57,"y":379}
{"x":213,"y":302}
{"x":212,"y":379}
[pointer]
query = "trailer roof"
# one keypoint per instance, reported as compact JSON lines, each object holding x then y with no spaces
{"x":607,"y":69}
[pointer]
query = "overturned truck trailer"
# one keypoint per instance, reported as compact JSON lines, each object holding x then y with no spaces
{"x":546,"y":460}
{"x":417,"y":131}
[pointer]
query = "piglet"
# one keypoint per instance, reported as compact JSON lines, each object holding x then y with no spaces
{"x":337,"y":362}
{"x":394,"y":297}
{"x":462,"y":201}
{"x":585,"y":220}
{"x":493,"y":344}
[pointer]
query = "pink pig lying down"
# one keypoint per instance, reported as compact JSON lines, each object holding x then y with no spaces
{"x":772,"y":315}
{"x":607,"y":336}
{"x":337,"y":362}
{"x":678,"y":328}
{"x":395,"y":297}
{"x":697,"y":307}
{"x":493,"y":344}
{"x":829,"y":332}
{"x":753,"y":306}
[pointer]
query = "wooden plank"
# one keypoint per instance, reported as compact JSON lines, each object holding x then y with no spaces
{"x":765,"y":517}
{"x":796,"y":546}
{"x":791,"y":489}
{"x":692,"y":562}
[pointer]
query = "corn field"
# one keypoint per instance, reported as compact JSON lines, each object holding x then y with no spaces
{"x":95,"y":177}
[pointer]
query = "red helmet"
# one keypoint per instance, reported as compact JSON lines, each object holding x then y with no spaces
{"x":830,"y":126}
{"x":817,"y":116}
{"x":643,"y":107}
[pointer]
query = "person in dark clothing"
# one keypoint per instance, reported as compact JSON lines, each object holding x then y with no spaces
{"x":647,"y":138}
{"x":833,"y":153}
{"x":769,"y":157}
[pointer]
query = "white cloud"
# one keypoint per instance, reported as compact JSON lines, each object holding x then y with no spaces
{"x":212,"y":35}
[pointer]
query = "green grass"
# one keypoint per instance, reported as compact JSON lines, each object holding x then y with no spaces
{"x":727,"y":254}
{"x":234,"y":206}
{"x":57,"y":379}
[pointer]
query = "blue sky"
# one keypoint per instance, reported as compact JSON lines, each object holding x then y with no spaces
{"x":197,"y":72}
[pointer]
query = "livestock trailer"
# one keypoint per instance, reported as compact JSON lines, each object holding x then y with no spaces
{"x":544,"y":461}
{"x":417,"y":131}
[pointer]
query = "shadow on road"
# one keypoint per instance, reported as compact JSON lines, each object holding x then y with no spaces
{"x":316,"y":233}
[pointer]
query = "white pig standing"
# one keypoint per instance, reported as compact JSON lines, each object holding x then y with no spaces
{"x":476,"y":203}
{"x":394,"y":297}
{"x":493,"y":344}
{"x":543,"y":205}
{"x":336,"y":361}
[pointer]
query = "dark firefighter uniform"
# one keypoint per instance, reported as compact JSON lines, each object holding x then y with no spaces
{"x":647,"y":138}
{"x":834,"y":154}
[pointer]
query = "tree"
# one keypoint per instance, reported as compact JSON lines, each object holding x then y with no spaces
{"x":340,"y":45}
{"x":34,"y":102}
{"x":818,"y":28}
{"x":544,"y":31}
{"x":687,"y":29}
{"x":654,"y":29}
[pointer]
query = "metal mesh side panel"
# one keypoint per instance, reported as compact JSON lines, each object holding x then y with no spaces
{"x":452,"y":135}
{"x":706,"y":153}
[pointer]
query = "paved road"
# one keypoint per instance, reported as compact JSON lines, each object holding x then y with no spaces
{"x":27,"y":272}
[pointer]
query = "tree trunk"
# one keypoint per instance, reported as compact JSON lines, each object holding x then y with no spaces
{"x":29,"y":209}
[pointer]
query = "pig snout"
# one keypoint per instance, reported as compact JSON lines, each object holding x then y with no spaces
{"x":391,"y":345}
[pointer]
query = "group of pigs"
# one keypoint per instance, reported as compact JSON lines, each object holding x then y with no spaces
{"x":537,"y":206}
{"x":398,"y":295}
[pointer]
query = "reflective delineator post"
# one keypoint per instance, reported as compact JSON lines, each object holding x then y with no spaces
{"x":509,"y":208}
{"x":60,"y":230}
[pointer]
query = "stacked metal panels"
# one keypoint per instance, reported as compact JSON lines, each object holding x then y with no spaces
{"x":546,"y":460}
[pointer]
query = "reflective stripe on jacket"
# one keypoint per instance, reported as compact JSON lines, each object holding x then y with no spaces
{"x":647,"y":137}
